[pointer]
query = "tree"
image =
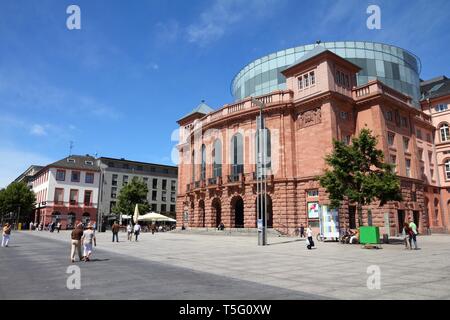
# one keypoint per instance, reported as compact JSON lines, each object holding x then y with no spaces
{"x":359,"y":174}
{"x":133,"y":193}
{"x":18,"y":199}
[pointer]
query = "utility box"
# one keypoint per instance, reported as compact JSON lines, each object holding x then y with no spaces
{"x":369,"y":235}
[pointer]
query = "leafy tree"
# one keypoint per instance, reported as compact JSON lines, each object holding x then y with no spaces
{"x":358,"y":173}
{"x":133,"y":193}
{"x":17,"y":198}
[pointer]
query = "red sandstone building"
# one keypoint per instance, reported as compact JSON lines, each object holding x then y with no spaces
{"x":217,"y":180}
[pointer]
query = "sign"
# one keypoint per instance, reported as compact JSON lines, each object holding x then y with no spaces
{"x":329,"y":222}
{"x":260,"y":225}
{"x":313,"y":210}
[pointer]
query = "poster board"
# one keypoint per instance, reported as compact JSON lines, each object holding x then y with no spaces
{"x":313,"y":210}
{"x":329,"y":222}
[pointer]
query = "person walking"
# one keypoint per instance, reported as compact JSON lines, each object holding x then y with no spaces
{"x":153,"y":227}
{"x":115,"y":231}
{"x":6,"y":235}
{"x":76,"y":236}
{"x":58,"y":226}
{"x":137,"y":230}
{"x":31,"y":226}
{"x":129,"y":232}
{"x":412,"y":234}
{"x":302,"y":231}
{"x":310,"y":241}
{"x":406,"y":235}
{"x":87,"y":240}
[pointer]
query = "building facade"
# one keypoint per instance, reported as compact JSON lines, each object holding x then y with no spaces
{"x":321,"y":102}
{"x":116,"y":173}
{"x":435,"y":103}
{"x":67,"y":191}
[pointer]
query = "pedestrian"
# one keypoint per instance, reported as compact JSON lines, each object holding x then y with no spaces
{"x":302,"y":231}
{"x":58,"y":226}
{"x":87,"y":240}
{"x":309,"y":241}
{"x":405,"y":235}
{"x":76,"y":236}
{"x":31,"y":225}
{"x":153,"y":227}
{"x":6,"y":235}
{"x":115,"y":231}
{"x":412,"y":234}
{"x":129,"y":232}
{"x":137,"y":230}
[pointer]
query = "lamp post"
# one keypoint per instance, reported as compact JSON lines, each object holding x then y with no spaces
{"x":261,"y":183}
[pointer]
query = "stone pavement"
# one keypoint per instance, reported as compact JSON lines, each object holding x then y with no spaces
{"x":332,"y":270}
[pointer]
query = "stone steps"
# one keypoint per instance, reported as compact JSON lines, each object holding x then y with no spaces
{"x":227,"y":231}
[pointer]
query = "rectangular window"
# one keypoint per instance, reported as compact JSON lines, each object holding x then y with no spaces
{"x":347,"y":81}
{"x":60,"y":175}
{"x":172,"y":197}
{"x":441,"y":107}
{"x":428,"y":137}
{"x":430,"y":157}
{"x":404,"y":122}
{"x":164,"y":184}
{"x":173,"y":185}
{"x":125,"y":180}
{"x":70,"y":160}
{"x":154,"y":207}
{"x":393,"y":160}
{"x":89,"y":177}
{"x":408,"y":167}
{"x":447,"y":170}
{"x":75,"y":176}
{"x":313,"y":193}
{"x":59,"y":196}
{"x":306,"y":80}
{"x":391,"y":137}
{"x":154,"y":195}
{"x":312,"y":77}
{"x":300,"y":83}
{"x":114,"y":179}
{"x":419,"y":134}
{"x":405,"y":143}
{"x":172,"y":208}
{"x":155,"y":184}
{"x":73,"y":198}
{"x":164,"y":196}
{"x":140,"y":168}
{"x":420,"y":153}
{"x":87,"y":198}
{"x":163,"y":208}
{"x":89,"y":163}
{"x":114,"y":192}
{"x":389,"y":115}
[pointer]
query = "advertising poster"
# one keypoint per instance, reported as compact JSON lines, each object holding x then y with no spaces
{"x":313,"y":210}
{"x":329,"y":222}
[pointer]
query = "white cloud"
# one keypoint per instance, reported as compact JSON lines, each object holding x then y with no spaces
{"x":216,"y":20}
{"x":38,"y":130}
{"x":14,"y":162}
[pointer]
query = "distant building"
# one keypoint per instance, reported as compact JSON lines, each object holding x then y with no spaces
{"x":67,"y":191}
{"x":435,"y":102}
{"x":27,"y":175}
{"x":116,"y":173}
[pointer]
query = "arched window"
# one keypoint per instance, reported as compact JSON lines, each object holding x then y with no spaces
{"x":266,"y":160}
{"x":237,"y":154}
{"x":445,"y":132}
{"x":447,"y":169}
{"x":217,"y":159}
{"x":203,"y":163}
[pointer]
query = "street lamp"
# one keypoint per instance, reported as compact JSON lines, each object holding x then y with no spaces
{"x":261,"y":183}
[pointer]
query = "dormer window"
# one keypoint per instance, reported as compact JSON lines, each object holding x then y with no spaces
{"x":70,"y":160}
{"x":89,"y":163}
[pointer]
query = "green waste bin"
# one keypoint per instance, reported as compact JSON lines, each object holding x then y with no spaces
{"x":369,"y":235}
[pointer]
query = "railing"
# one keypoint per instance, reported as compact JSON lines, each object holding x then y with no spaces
{"x":212,"y":181}
{"x":197,"y":184}
{"x":376,"y":86}
{"x":234,"y":178}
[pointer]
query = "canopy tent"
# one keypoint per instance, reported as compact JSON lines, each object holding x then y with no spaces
{"x":153,"y":216}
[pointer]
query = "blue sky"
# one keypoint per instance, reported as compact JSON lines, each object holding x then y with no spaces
{"x":117,"y":86}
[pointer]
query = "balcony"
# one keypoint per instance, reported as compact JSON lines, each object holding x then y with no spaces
{"x":216,"y":181}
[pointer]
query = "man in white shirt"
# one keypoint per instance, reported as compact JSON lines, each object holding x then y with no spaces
{"x":137,"y":230}
{"x":309,"y":235}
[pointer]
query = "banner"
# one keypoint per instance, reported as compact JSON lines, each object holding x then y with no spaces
{"x":313,"y":210}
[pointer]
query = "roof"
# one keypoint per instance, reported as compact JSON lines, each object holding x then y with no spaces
{"x":318,"y":50}
{"x":78,"y":163}
{"x":103,"y":159}
{"x":202,"y":108}
{"x":28,"y":173}
{"x":435,"y":88}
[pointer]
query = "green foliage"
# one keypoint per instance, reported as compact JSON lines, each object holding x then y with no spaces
{"x":358,"y":172}
{"x":133,"y":193}
{"x":16,"y":195}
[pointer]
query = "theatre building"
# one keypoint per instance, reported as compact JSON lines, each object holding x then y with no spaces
{"x":321,"y":98}
{"x":67,"y":191}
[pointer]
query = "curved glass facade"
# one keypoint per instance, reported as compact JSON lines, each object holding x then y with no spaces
{"x":392,"y":65}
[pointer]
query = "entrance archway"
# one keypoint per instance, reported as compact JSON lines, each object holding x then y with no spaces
{"x":56,"y":216}
{"x":216,"y":211}
{"x":86,"y":218}
{"x":237,"y":210}
{"x":201,"y":212}
{"x":269,"y":210}
{"x":71,"y":220}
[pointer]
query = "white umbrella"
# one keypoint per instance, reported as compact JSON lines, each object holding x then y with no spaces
{"x":153,"y":216}
{"x":136,"y":214}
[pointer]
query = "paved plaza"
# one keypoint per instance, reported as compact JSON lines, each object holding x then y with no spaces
{"x":177,"y":265}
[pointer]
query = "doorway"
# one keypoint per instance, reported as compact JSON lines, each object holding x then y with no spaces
{"x":352,"y":217}
{"x":401,"y":220}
